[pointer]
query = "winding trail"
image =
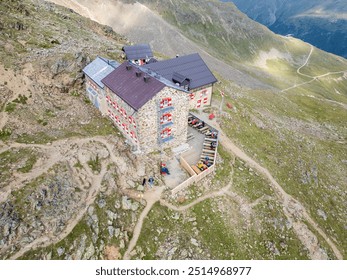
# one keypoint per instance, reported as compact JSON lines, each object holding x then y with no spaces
{"x":305,"y":63}
{"x":50,"y":239}
{"x":151,"y":198}
{"x":220,"y":192}
{"x":60,"y":151}
{"x":313,"y":78}
{"x":292,"y":208}
{"x":57,"y":152}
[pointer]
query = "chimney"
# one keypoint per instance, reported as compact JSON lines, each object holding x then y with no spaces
{"x":138,"y":73}
{"x":128,"y":67}
{"x":146,"y":78}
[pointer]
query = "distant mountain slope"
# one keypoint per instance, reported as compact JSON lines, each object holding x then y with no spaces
{"x":212,"y":28}
{"x":322,"y":23}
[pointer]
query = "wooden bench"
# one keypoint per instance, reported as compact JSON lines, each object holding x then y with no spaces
{"x":203,"y":157}
{"x":208,"y":146}
{"x":210,"y":139}
{"x":208,"y":151}
{"x":203,"y":129}
{"x":196,"y":169}
{"x":209,"y":161}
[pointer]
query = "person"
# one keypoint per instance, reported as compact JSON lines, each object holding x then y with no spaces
{"x":151,"y":181}
{"x":144,"y":182}
{"x":213,"y":145}
{"x":201,"y":166}
{"x":165,"y":170}
{"x":214,"y":134}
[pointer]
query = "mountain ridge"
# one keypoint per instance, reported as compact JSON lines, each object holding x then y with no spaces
{"x":320,"y":23}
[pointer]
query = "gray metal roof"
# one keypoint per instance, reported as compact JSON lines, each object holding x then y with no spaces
{"x":134,"y":52}
{"x":190,"y":66}
{"x":134,"y":90}
{"x":99,"y":69}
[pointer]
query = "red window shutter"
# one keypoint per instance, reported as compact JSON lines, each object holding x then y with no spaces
{"x":198,"y":105}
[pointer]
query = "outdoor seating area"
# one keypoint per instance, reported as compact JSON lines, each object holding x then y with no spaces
{"x":210,"y":143}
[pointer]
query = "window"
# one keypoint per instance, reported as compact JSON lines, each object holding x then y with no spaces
{"x":108,"y":99}
{"x":198,"y":104}
{"x":165,"y":133}
{"x":133,"y":136}
{"x":123,"y":112}
{"x":203,"y":93}
{"x":132,"y":121}
{"x":166,"y":118}
{"x":166,"y":102}
{"x":115,"y":105}
{"x":91,"y":84}
{"x":125,"y":128}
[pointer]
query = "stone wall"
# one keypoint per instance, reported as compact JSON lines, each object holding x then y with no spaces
{"x":149,"y":127}
{"x":200,"y":97}
{"x":123,"y":116}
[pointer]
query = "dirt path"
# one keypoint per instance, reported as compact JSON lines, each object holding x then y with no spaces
{"x":220,"y":192}
{"x":313,"y":78}
{"x":60,"y":151}
{"x":291,"y":207}
{"x":305,"y":63}
{"x":151,"y":198}
{"x":50,"y":239}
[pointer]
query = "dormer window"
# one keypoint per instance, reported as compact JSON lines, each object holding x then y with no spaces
{"x":181,"y":80}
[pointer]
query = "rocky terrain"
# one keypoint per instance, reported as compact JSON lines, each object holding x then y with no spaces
{"x":70,"y":186}
{"x":51,"y":174}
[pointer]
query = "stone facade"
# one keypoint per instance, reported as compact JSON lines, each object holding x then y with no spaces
{"x":123,"y":116}
{"x":156,"y":125}
{"x":200,"y":97}
{"x":162,"y":121}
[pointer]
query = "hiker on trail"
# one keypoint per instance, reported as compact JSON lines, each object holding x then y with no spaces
{"x":151,"y":181}
{"x":144,"y":182}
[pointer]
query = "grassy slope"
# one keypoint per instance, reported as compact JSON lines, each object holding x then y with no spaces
{"x":300,"y":139}
{"x":292,"y":153}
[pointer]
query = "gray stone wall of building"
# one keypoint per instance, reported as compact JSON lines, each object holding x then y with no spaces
{"x":149,"y":127}
{"x":128,"y":128}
